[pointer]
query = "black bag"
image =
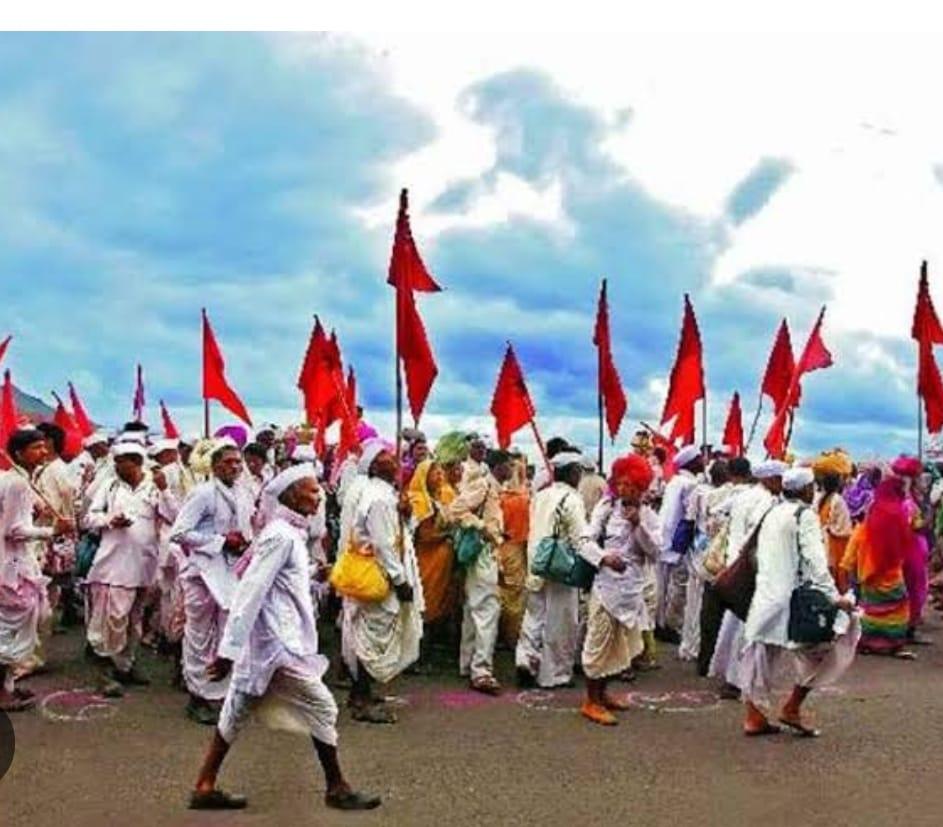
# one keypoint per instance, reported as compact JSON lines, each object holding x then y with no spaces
{"x":736,"y":584}
{"x":811,"y":612}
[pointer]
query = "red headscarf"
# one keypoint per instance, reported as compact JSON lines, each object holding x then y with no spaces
{"x":633,"y":468}
{"x":887,"y":527}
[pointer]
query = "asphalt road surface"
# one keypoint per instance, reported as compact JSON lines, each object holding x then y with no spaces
{"x":458,"y":758}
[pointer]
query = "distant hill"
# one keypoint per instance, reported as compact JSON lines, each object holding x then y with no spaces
{"x":31,"y":406}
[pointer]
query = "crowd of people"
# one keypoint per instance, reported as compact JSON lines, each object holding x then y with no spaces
{"x":225,"y":555}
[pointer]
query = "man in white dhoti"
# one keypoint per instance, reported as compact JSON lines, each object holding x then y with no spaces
{"x":270,"y":647}
{"x":382,"y":639}
{"x":213,"y":529}
{"x":630,"y":536}
{"x":672,"y":567}
{"x":547,"y":646}
{"x":24,"y":604}
{"x":477,"y":507}
{"x":709,"y":509}
{"x":746,"y":512}
{"x":128,"y":514}
{"x":790,"y":552}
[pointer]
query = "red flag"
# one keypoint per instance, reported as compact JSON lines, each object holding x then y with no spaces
{"x":687,"y":379}
{"x":733,"y":430}
{"x":82,"y":422}
{"x":170,"y":429}
{"x":334,"y":410}
{"x":779,"y":368}
{"x":930,"y":387}
{"x":511,"y":405}
{"x":926,"y":326}
{"x":4,"y":345}
{"x":408,"y":274}
{"x":73,"y":437}
{"x":610,"y":385}
{"x":349,"y":420}
{"x":815,"y":356}
{"x":215,"y":385}
{"x":314,"y":381}
{"x":138,"y":404}
{"x":9,"y":418}
{"x":406,"y":265}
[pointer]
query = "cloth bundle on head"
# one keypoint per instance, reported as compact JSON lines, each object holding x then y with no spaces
{"x":796,"y":479}
{"x":906,"y":466}
{"x":451,"y":448}
{"x":280,"y":483}
{"x":371,"y":449}
{"x":686,"y":456}
{"x":634,"y":469}
{"x":833,"y":462}
{"x":769,"y":469}
{"x":304,"y":453}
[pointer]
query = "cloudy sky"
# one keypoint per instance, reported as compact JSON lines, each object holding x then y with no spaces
{"x":145,"y":176}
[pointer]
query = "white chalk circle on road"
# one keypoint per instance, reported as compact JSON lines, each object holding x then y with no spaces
{"x":76,"y":705}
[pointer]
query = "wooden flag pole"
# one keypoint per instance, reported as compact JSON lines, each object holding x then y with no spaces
{"x":919,"y":428}
{"x":756,"y":422}
{"x":541,"y":447}
{"x":600,"y":405}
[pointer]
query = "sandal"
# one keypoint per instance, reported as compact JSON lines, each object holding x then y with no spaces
{"x":217,"y":800}
{"x":350,"y":800}
{"x":904,"y":654}
{"x":766,"y":729}
{"x":375,"y":713}
{"x":799,"y":729}
{"x":487,"y":685}
{"x":598,"y":714}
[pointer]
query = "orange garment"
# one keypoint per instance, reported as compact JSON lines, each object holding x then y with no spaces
{"x":512,"y":563}
{"x":836,"y":528}
{"x":436,"y":559}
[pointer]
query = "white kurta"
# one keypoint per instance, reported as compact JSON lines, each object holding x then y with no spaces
{"x":128,"y":557}
{"x":24,"y":605}
{"x":384,"y":636}
{"x":673,"y":509}
{"x":550,"y":628}
{"x":272,"y":639}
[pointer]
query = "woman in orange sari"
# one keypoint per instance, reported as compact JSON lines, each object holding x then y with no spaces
{"x":429,"y":492}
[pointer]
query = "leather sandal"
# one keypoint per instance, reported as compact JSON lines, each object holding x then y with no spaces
{"x":217,"y":800}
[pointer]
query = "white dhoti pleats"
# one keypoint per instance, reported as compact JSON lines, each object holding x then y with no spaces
{"x":610,"y":646}
{"x":549,"y":634}
{"x":114,"y":622}
{"x":24,"y":608}
{"x":725,"y":664}
{"x":205,"y":620}
{"x":691,"y":627}
{"x":294,"y":702}
{"x":385,"y":640}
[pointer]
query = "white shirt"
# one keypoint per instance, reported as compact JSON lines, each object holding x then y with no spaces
{"x":271,"y":621}
{"x":746,"y":510}
{"x":17,"y":529}
{"x":781,"y":539}
{"x":673,"y":508}
{"x":128,"y":557}
{"x":210,"y":512}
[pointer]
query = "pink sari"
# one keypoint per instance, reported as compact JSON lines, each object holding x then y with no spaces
{"x":916,"y":561}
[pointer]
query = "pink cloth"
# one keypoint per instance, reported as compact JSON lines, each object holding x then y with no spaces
{"x":205,"y":620}
{"x":115,"y":622}
{"x":916,"y":561}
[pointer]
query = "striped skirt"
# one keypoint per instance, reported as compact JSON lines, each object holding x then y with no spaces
{"x":885,"y":620}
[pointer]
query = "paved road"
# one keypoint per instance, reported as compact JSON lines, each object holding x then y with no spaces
{"x":457,"y":758}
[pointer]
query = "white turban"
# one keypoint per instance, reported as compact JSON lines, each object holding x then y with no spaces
{"x":98,"y":438}
{"x":370,"y":450}
{"x":283,"y":481}
{"x":163,"y":445}
{"x":304,"y":453}
{"x":769,"y":469}
{"x":795,"y":479}
{"x":133,"y":436}
{"x":565,"y":458}
{"x":686,"y":455}
{"x":126,"y":449}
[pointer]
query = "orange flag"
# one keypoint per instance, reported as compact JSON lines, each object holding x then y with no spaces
{"x":215,"y":385}
{"x":610,"y":385}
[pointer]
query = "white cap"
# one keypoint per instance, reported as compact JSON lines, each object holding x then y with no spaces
{"x":769,"y":469}
{"x":565,"y":458}
{"x":98,"y":438}
{"x":588,"y":464}
{"x":795,"y":479}
{"x":370,"y":450}
{"x":139,"y":437}
{"x":289,"y":477}
{"x":304,"y":453}
{"x":163,"y":445}
{"x":127,"y":448}
{"x":686,"y":455}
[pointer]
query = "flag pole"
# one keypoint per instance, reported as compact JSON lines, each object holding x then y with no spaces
{"x":704,"y":450}
{"x":600,"y":405}
{"x":919,"y":428}
{"x":756,"y":422}
{"x":542,"y":447}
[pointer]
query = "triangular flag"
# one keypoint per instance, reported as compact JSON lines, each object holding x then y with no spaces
{"x":610,"y":385}
{"x":926,"y":325}
{"x":779,"y":368}
{"x":82,"y":422}
{"x":930,"y":387}
{"x":406,"y":265}
{"x":9,"y":418}
{"x":733,"y":430}
{"x":137,"y":405}
{"x":72,"y":445}
{"x":511,"y":405}
{"x":687,"y":378}
{"x":215,"y":385}
{"x":170,"y":428}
